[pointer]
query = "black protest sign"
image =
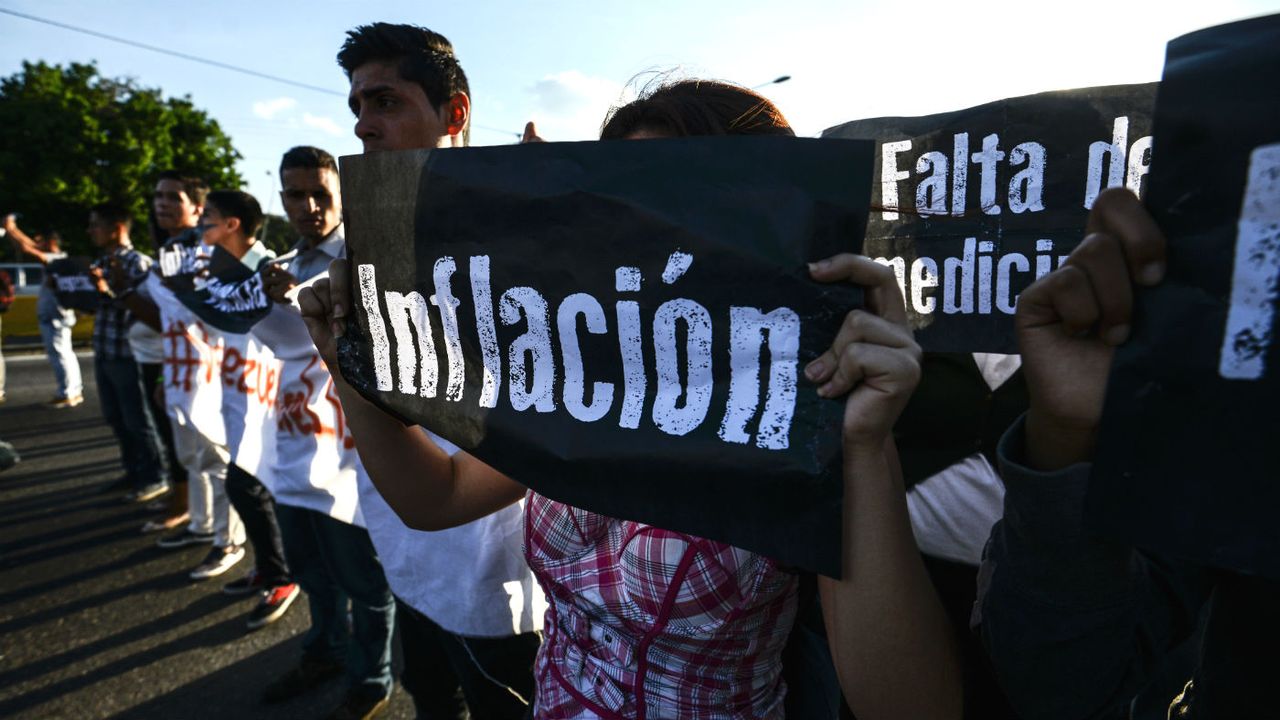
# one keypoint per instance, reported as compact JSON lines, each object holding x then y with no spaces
{"x":74,"y":288}
{"x":970,"y":207}
{"x":1187,"y":457}
{"x":213,"y":284}
{"x":621,"y":326}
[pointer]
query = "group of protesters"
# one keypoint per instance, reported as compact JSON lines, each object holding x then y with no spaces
{"x":510,"y":604}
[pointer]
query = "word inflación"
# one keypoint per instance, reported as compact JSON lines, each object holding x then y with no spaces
{"x":549,"y":348}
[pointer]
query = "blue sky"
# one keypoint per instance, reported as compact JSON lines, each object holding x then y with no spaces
{"x":564,"y":63}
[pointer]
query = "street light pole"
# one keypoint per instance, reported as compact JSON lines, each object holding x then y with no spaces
{"x":775,"y":81}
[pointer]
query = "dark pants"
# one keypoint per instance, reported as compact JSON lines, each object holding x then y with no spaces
{"x":257,"y":509}
{"x":437,"y":663}
{"x":127,"y":411}
{"x":334,"y":561}
{"x":151,"y":373}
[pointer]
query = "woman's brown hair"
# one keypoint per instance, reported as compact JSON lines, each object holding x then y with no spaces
{"x":696,"y":107}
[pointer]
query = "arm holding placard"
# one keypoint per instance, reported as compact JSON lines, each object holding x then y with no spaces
{"x":1075,"y":624}
{"x":426,"y":487}
{"x":890,"y":639}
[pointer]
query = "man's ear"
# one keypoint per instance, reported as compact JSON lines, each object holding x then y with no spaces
{"x":233,"y":223}
{"x":459,"y":115}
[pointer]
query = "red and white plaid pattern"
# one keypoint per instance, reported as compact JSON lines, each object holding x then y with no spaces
{"x":649,"y":623}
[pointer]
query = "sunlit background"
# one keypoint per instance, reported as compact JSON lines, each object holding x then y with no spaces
{"x":563,"y":64}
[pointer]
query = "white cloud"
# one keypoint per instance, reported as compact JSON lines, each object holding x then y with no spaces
{"x":571,"y":105}
{"x":324,"y":123}
{"x":268,"y":109}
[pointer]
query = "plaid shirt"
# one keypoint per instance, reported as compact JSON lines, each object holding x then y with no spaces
{"x":111,"y":323}
{"x":649,"y":623}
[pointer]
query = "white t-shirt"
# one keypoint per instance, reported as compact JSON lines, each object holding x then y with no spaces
{"x":953,"y":511}
{"x":472,"y":580}
{"x":315,"y":458}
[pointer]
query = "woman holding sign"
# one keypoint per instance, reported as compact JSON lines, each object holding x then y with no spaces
{"x":645,"y":622}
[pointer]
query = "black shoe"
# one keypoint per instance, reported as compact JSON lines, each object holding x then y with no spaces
{"x":311,"y":672}
{"x":184,"y":537}
{"x":361,"y":703}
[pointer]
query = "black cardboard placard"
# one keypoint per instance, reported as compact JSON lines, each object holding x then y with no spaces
{"x":1188,"y":459}
{"x":621,"y":326}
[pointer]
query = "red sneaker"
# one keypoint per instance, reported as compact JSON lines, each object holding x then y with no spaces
{"x":275,"y":601}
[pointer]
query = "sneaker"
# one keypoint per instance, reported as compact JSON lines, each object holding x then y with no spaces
{"x":218,"y":561}
{"x":251,"y":582}
{"x":66,"y":402}
{"x":361,"y":703}
{"x":312,"y":672}
{"x":184,"y":537}
{"x":273,"y":605}
{"x":149,"y":492}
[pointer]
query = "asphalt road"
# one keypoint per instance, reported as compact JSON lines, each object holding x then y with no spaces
{"x":95,"y":620}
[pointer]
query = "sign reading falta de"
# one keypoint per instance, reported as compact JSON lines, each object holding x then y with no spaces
{"x":621,"y":326}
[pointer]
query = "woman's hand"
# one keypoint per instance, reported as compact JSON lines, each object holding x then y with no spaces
{"x":873,"y":357}
{"x":324,"y":306}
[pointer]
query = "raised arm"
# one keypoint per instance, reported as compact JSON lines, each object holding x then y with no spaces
{"x":22,"y":242}
{"x":892,"y":645}
{"x":1075,"y":624}
{"x":428,"y":489}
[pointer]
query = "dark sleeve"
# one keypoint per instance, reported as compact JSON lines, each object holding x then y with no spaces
{"x":1075,"y":625}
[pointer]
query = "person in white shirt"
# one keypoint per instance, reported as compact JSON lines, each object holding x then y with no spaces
{"x":55,"y":321}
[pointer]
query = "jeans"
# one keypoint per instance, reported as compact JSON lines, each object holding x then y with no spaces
{"x":206,"y":465}
{"x":257,"y":509}
{"x":129,"y":415}
{"x":334,"y":561}
{"x":56,"y":333}
{"x":490,"y":671}
{"x":151,"y":373}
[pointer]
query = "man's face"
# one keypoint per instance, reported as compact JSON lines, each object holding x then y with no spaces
{"x":101,"y":233}
{"x":174,"y":208}
{"x":393,"y":113}
{"x":311,"y":201}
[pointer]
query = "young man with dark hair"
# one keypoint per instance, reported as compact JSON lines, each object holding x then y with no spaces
{"x":318,"y":503}
{"x":177,"y":203}
{"x":230,"y":221}
{"x":120,"y":390}
{"x":455,"y":588}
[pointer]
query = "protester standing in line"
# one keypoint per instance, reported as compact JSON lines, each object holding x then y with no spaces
{"x":178,"y":201}
{"x":315,"y":476}
{"x":120,"y":390}
{"x":893,"y":650}
{"x":55,"y":321}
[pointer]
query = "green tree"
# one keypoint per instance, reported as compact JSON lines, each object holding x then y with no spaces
{"x":277,"y":233}
{"x":70,"y":138}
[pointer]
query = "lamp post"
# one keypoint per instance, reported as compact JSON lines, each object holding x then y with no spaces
{"x":775,"y":81}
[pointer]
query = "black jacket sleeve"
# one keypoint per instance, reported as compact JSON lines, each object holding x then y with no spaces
{"x":1075,"y":625}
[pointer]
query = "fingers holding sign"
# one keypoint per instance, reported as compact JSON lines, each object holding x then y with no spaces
{"x":277,"y":282}
{"x":873,"y":356}
{"x":1070,"y":321}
